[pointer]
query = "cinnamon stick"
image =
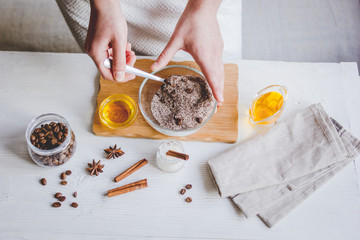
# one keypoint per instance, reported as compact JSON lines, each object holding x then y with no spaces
{"x":131,"y":170}
{"x":182,"y":156}
{"x":127,"y":188}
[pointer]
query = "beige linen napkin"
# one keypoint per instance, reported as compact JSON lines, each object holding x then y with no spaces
{"x":271,"y":174}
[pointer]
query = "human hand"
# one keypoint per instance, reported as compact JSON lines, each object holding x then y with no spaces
{"x":197,"y":32}
{"x":107,"y":37}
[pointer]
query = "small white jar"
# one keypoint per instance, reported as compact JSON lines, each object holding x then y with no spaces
{"x":168,"y":163}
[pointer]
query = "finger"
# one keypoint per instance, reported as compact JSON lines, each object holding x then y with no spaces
{"x":214,"y":73}
{"x":110,"y":53}
{"x":130,"y":60}
{"x":119,"y":60}
{"x":166,"y":55}
{"x":129,"y":76}
{"x":98,"y":58}
{"x":128,"y":46}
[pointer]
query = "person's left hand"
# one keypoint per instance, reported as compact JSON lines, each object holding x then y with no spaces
{"x":197,"y":32}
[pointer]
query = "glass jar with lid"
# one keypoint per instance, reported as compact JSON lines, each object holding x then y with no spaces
{"x":168,"y":163}
{"x":50,"y":140}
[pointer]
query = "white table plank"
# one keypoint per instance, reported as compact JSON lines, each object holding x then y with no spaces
{"x":36,"y":83}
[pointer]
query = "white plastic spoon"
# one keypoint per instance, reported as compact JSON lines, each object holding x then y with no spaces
{"x":137,"y":72}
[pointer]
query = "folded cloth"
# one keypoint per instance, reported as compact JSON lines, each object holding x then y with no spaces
{"x":271,"y":174}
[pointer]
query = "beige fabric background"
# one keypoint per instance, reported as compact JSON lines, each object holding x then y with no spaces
{"x":289,"y":30}
{"x":35,"y":25}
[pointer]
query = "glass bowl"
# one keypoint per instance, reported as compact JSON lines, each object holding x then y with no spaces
{"x":118,"y":111}
{"x":148,"y":89}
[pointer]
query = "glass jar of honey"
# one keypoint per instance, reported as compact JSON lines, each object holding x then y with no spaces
{"x":118,"y":111}
{"x":267,"y":106}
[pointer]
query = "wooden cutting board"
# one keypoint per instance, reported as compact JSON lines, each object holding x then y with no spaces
{"x":223,"y":127}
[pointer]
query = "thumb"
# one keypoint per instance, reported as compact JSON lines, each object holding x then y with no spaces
{"x":119,"y":60}
{"x":166,"y":55}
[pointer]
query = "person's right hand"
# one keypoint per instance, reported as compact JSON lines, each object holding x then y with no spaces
{"x":107,"y":37}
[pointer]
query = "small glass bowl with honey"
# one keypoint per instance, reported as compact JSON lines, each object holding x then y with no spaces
{"x":118,"y":111}
{"x":267,"y":106}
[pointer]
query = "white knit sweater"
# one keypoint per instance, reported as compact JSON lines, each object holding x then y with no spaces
{"x":151,"y":23}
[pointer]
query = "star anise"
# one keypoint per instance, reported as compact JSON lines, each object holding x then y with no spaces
{"x":95,"y":168}
{"x":113,"y":152}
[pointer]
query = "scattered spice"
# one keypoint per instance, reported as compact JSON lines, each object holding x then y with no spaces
{"x":183,"y":191}
{"x":63,"y":176}
{"x":188,"y":186}
{"x":131,"y":170}
{"x":128,"y":188}
{"x":57,"y":195}
{"x":62,"y":198}
{"x":74,"y":204}
{"x":188,"y":199}
{"x":56,"y":204}
{"x":43,"y":181}
{"x":63,"y":183}
{"x":68,"y":172}
{"x":113,"y":152}
{"x":95,"y":168}
{"x":182,"y":156}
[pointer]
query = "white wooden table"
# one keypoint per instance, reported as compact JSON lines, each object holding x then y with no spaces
{"x":35,"y":83}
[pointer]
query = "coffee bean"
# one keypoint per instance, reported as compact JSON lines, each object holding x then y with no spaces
{"x":188,"y":199}
{"x":182,"y":191}
{"x":56,"y":204}
{"x":188,"y":186}
{"x":54,"y":141}
{"x":57,"y":195}
{"x":68,"y":172}
{"x":63,"y":176}
{"x":178,"y":121}
{"x":198,"y":119}
{"x":43,"y":181}
{"x":59,"y":136}
{"x":63,"y":182}
{"x":188,"y":90}
{"x":74,"y":205}
{"x":43,"y":137}
{"x":62,"y":198}
{"x":75,"y":194}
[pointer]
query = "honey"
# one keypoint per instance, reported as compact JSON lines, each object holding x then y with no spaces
{"x":118,"y":111}
{"x":267,"y":105}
